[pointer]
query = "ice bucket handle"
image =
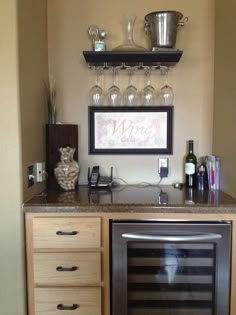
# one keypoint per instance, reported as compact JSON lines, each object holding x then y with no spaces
{"x":183,"y":22}
{"x":146,"y":27}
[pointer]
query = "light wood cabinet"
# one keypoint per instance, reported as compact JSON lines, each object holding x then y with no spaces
{"x":85,"y":288}
{"x":64,"y":265}
{"x":66,"y":233}
{"x":82,"y":301}
{"x":67,"y":268}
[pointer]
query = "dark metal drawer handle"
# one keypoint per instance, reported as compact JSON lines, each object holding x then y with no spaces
{"x":67,"y":233}
{"x":60,"y":268}
{"x":63,"y":307}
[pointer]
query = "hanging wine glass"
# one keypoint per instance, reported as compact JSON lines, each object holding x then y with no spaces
{"x":166,"y":94}
{"x":148,"y":94}
{"x":114,"y":94}
{"x":130,"y":96}
{"x":96,"y":93}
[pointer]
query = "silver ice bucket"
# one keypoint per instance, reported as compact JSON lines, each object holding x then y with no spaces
{"x":163,"y":26}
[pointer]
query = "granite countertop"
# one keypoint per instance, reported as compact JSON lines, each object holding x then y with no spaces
{"x":133,"y":199}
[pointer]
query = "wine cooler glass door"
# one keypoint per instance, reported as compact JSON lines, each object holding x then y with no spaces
{"x":170,"y":269}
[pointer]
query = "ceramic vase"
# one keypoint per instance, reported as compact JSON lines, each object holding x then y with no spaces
{"x":67,"y":170}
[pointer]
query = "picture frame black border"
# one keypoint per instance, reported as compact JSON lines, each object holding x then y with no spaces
{"x":159,"y":151}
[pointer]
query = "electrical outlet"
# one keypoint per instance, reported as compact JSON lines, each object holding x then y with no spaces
{"x":40,"y":171}
{"x":162,"y":162}
{"x":30,"y":175}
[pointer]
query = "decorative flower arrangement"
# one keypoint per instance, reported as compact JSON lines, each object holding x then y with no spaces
{"x":51,"y":100}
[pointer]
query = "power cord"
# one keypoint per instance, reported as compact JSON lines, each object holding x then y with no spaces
{"x":139,"y":185}
{"x":163,"y":196}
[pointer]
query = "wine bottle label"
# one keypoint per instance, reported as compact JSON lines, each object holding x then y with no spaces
{"x":189,"y":168}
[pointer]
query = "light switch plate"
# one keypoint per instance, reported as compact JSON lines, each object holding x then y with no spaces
{"x":40,"y":171}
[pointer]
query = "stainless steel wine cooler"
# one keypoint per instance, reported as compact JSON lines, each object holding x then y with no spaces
{"x":170,"y":268}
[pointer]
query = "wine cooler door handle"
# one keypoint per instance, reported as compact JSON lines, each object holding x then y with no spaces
{"x":173,"y":237}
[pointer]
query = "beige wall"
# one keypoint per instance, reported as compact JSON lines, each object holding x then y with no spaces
{"x":23,"y":66}
{"x":12,"y":274}
{"x":33,"y":75}
{"x":225,"y":93}
{"x":192,"y":78}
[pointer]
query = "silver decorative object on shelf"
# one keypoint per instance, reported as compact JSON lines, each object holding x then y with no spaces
{"x":98,"y":38}
{"x":67,"y":170}
{"x":93,"y":34}
{"x":163,"y":27}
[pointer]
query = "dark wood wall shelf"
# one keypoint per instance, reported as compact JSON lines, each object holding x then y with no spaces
{"x":124,"y":59}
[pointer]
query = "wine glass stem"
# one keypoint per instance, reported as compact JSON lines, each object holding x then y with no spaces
{"x":148,"y":73}
{"x":97,"y":78}
{"x":165,"y":72}
{"x":131,"y":72}
{"x":114,"y":77}
{"x":98,"y":75}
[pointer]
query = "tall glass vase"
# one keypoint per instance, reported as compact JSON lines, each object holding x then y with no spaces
{"x":129,"y":44}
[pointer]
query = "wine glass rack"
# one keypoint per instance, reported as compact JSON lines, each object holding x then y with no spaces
{"x":136,"y":59}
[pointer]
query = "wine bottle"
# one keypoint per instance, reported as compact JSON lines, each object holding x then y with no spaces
{"x":190,"y":167}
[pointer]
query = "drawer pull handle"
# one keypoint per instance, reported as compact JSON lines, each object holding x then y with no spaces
{"x":63,"y":307}
{"x":73,"y":268}
{"x":67,"y":233}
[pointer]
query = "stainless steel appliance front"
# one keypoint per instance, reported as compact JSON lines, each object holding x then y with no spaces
{"x":170,"y":268}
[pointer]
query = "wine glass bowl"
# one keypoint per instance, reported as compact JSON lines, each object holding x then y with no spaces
{"x":166,"y":95}
{"x":148,"y":96}
{"x":114,"y":96}
{"x":131,"y":95}
{"x":96,"y":96}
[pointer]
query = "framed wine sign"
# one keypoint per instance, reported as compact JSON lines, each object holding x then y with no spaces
{"x":130,"y":130}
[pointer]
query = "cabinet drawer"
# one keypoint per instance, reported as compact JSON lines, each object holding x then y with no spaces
{"x":67,"y":268}
{"x":86,"y":301}
{"x":67,"y":232}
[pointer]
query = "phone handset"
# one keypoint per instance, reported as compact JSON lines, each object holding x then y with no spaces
{"x":94,"y":177}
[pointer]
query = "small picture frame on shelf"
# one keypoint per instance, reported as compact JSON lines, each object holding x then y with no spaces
{"x":130,"y":130}
{"x":99,"y":46}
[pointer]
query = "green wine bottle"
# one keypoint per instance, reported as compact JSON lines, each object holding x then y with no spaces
{"x":190,"y":167}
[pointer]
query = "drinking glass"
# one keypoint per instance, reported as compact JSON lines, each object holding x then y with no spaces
{"x":148,"y":94}
{"x":166,"y":94}
{"x":114,"y":94}
{"x":96,"y":93}
{"x":130,"y":96}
